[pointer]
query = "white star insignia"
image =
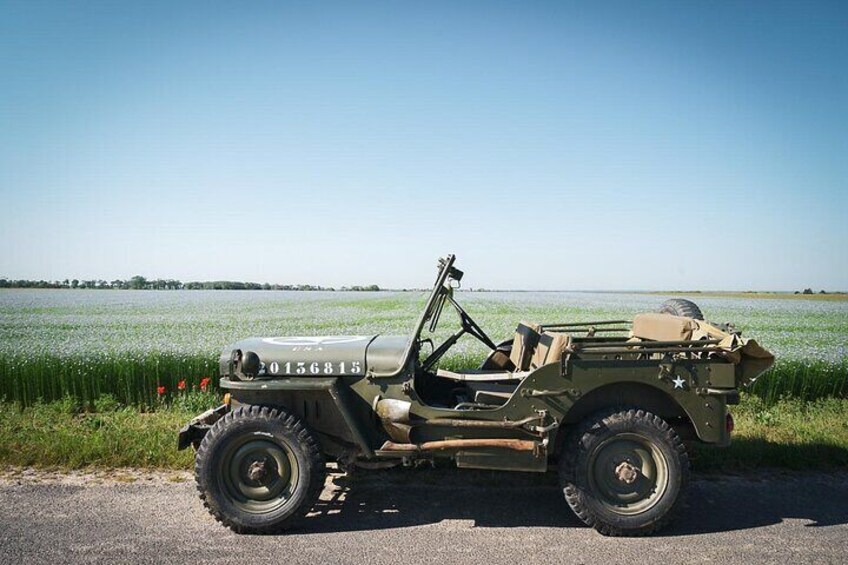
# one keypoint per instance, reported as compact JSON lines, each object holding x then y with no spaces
{"x":678,"y":382}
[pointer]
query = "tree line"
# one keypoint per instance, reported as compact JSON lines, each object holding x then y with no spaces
{"x":139,"y":282}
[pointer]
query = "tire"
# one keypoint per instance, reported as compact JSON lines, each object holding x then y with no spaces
{"x":259,"y":470}
{"x":681,"y":307}
{"x":625,"y":472}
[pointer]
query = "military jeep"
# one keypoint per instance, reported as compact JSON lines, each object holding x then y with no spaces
{"x":609,"y":404}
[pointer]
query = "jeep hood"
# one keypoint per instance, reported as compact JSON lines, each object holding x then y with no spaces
{"x":323,"y":356}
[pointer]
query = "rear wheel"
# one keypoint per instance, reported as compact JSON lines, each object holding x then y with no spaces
{"x":625,"y":472}
{"x":259,"y":469}
{"x":681,"y":307}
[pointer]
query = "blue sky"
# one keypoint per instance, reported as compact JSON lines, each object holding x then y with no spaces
{"x":651,"y":145}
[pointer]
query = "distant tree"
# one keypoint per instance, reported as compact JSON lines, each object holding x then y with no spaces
{"x":359,"y":288}
{"x":807,"y":291}
{"x":138,"y":282}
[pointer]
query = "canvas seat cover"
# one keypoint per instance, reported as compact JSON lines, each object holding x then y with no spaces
{"x":525,"y":342}
{"x":550,"y":348}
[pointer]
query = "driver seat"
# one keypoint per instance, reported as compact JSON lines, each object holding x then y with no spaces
{"x":526,"y":355}
{"x":551,"y":347}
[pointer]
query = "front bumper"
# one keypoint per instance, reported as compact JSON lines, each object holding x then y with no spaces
{"x":193,"y":432}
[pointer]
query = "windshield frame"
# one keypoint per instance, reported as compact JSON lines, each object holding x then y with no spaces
{"x":440,"y":287}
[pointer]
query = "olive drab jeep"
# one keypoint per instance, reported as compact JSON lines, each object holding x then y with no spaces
{"x":609,"y":404}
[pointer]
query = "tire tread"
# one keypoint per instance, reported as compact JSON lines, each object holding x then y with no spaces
{"x":308,"y":443}
{"x":574,"y":495}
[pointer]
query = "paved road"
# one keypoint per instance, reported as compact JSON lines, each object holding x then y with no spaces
{"x":422,"y":517}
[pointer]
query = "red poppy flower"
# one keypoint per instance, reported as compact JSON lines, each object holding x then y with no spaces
{"x":181,"y":385}
{"x":204,"y":382}
{"x":160,"y":390}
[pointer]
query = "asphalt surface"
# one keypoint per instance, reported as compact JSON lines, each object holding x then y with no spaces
{"x":416,"y":516}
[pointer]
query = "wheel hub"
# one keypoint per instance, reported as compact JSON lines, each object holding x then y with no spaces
{"x":626,"y":473}
{"x":258,"y":475}
{"x":257,"y":471}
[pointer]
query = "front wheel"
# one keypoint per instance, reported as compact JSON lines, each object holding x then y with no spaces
{"x":625,"y":472}
{"x":258,"y":469}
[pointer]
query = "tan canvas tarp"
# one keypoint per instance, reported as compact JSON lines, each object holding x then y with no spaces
{"x":662,"y":327}
{"x":737,"y":347}
{"x":747,"y":353}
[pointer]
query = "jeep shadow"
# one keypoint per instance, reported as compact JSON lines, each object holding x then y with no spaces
{"x":493,"y":499}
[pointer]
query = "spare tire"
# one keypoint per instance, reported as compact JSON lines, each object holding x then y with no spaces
{"x":681,"y":307}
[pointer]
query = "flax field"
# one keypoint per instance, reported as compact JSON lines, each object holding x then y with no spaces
{"x":149,"y":348}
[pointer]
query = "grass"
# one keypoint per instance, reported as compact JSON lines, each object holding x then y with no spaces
{"x":47,"y":435}
{"x":788,"y":435}
{"x":108,"y":434}
{"x":802,"y":380}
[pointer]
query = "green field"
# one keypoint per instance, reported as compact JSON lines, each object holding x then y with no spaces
{"x":84,"y":373}
{"x":133,"y":345}
{"x":697,"y":295}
